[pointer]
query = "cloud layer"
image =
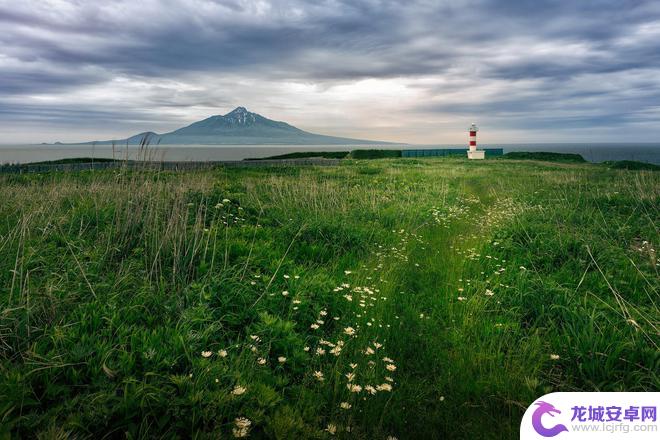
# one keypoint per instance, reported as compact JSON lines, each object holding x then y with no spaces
{"x":416,"y":71}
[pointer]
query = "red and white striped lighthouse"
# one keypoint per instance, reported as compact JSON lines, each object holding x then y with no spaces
{"x":473,"y":153}
{"x":473,"y":137}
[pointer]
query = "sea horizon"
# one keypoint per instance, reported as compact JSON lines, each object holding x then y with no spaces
{"x":30,"y":153}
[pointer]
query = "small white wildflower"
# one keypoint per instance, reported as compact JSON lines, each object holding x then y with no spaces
{"x":345,"y":405}
{"x":207,"y":354}
{"x":318,"y":375}
{"x":242,"y":422}
{"x":384,"y":387}
{"x":354,"y":388}
{"x":281,"y":359}
{"x":238,"y":390}
{"x":242,"y":427}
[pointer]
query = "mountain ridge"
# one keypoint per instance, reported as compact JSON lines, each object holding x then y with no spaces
{"x":238,"y":127}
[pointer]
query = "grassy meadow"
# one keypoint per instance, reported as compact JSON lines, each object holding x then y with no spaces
{"x":392,"y":298}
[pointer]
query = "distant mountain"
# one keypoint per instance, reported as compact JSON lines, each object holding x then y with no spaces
{"x":238,"y":127}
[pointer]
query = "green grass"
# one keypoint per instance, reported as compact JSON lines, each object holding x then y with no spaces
{"x":140,"y":304}
{"x":545,"y":156}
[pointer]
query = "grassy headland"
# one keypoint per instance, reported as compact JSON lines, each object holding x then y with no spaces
{"x":375,"y":154}
{"x":632,"y":165}
{"x":306,"y":155}
{"x":430,"y":298}
{"x":544,"y":155}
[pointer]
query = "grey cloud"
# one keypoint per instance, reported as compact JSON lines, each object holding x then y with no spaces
{"x":470,"y":43}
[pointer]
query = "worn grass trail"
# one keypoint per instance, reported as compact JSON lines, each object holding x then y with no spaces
{"x":438,"y":372}
{"x":451,"y":380}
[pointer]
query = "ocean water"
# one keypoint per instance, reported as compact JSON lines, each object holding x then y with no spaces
{"x":594,"y":152}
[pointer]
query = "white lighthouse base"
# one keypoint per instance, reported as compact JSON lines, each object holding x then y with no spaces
{"x":476,"y":154}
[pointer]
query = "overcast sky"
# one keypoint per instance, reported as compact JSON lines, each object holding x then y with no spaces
{"x":410,"y":71}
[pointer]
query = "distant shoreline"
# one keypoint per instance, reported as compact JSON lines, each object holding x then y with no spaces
{"x":28,"y":153}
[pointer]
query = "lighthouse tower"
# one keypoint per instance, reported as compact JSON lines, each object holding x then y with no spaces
{"x":473,"y":153}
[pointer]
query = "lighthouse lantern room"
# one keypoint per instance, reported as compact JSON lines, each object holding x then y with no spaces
{"x":473,"y":153}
